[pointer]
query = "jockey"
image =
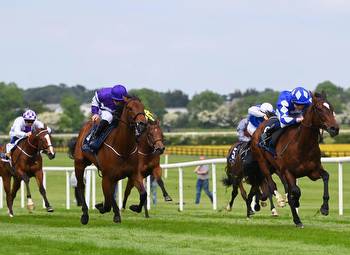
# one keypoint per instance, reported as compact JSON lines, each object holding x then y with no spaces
{"x":243,"y":135}
{"x":106,"y":103}
{"x":257,"y":114}
{"x":23,"y":127}
{"x":291,"y":106}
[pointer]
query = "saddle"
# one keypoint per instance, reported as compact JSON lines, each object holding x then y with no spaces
{"x":99,"y":139}
{"x":241,"y":150}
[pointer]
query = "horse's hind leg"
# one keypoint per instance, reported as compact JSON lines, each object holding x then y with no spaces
{"x":39,"y":180}
{"x":272,"y":206}
{"x":234,"y":194}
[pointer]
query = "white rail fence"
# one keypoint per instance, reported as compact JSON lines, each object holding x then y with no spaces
{"x":90,"y":190}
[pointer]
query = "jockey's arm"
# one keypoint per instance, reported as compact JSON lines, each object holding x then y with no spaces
{"x":95,"y":104}
{"x":16,"y":129}
{"x":255,"y":111}
{"x":39,"y":124}
{"x":284,"y":116}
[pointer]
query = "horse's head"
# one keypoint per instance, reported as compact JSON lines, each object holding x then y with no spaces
{"x":323,"y":114}
{"x":135,"y":112}
{"x":155,"y":137}
{"x":41,"y":139}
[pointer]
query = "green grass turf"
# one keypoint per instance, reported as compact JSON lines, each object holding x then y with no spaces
{"x":196,"y":230}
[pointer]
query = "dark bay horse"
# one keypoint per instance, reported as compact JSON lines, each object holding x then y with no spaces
{"x":26,"y":162}
{"x":116,"y":159}
{"x":237,"y":171}
{"x":298,"y":153}
{"x":150,"y":148}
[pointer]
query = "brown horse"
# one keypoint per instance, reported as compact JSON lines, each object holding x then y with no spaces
{"x":298,"y":153}
{"x":26,"y":162}
{"x":239,"y":169}
{"x":116,"y":159}
{"x":150,"y":148}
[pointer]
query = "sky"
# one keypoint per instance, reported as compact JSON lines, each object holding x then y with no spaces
{"x":193,"y":46}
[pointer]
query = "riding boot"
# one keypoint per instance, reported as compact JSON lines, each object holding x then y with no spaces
{"x":94,"y":143}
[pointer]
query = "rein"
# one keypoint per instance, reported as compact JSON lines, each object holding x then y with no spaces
{"x":117,"y":153}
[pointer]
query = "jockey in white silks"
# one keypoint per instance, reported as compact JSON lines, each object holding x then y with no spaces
{"x":23,"y":127}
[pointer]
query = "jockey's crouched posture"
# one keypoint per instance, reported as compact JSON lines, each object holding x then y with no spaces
{"x":106,"y":103}
{"x":22,"y":127}
{"x":290,"y":108}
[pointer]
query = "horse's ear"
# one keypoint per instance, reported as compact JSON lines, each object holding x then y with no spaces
{"x":324,"y":95}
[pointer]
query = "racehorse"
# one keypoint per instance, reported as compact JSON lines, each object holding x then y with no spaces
{"x":150,"y":148}
{"x":298,"y":153}
{"x":26,"y":162}
{"x":116,"y":159}
{"x":237,"y":170}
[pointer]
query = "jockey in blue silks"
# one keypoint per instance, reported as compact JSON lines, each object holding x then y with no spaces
{"x":22,"y":127}
{"x":291,"y":106}
{"x":257,"y":114}
{"x":106,"y":103}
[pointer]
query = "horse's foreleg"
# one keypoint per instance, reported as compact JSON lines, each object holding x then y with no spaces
{"x":138,"y":182}
{"x":315,"y":175}
{"x":249,"y":201}
{"x":234,"y":194}
{"x":127,"y":191}
{"x":116,"y":218}
{"x":79,"y":174}
{"x":7,"y":188}
{"x":166,"y":196}
{"x":272,"y":206}
{"x":294,"y":194}
{"x":42,"y":190}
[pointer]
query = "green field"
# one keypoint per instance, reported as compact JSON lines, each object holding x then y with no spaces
{"x":196,"y":230}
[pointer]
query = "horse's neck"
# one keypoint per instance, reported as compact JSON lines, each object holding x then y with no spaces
{"x":24,"y":145}
{"x":144,"y":145}
{"x":308,"y":137}
{"x":123,"y":137}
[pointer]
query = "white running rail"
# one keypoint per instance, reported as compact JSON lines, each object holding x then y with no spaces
{"x":90,"y":190}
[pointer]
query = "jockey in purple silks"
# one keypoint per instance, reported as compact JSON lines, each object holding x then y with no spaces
{"x":22,"y":127}
{"x":106,"y":103}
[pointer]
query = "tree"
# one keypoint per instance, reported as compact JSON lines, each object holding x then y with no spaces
{"x":175,"y":98}
{"x":11,"y":104}
{"x":152,"y":100}
{"x":335,"y":95}
{"x":207,"y":100}
{"x":72,"y":118}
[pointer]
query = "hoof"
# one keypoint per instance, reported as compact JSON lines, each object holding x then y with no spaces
{"x":84,"y":219}
{"x":324,"y":211}
{"x":250,"y":213}
{"x":49,"y":209}
{"x":263,"y":203}
{"x":228,"y":208}
{"x":117,"y":219}
{"x":274,"y":212}
{"x":100,"y":208}
{"x":30,"y":205}
{"x":10,"y":214}
{"x":135,"y":208}
{"x":257,"y":207}
{"x":299,"y":225}
{"x":168,"y":199}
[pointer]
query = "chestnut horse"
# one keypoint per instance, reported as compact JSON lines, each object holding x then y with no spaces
{"x":298,"y":153}
{"x":117,"y":158}
{"x":26,"y":162}
{"x":150,"y":148}
{"x":237,"y":171}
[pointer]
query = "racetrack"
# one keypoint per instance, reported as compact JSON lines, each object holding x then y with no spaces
{"x":196,"y":230}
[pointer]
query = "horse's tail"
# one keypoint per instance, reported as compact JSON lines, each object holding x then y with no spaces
{"x":71,"y":147}
{"x":227,"y":181}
